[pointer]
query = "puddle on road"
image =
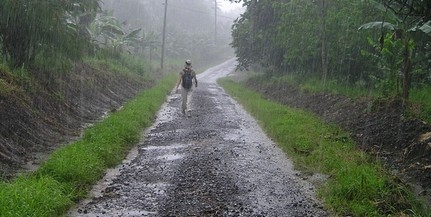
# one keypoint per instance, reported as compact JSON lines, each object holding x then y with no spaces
{"x":163,"y":133}
{"x":235,"y":136}
{"x":165,"y":116}
{"x":168,"y":147}
{"x":158,"y":187}
{"x":125,"y":212}
{"x":170,"y":157}
{"x":167,"y":113}
{"x":140,"y":213}
{"x":214,"y":88}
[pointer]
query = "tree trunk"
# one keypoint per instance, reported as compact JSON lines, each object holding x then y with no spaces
{"x":324,"y":54}
{"x":407,"y":68}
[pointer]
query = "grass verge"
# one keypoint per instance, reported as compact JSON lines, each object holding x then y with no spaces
{"x":420,"y":105}
{"x":314,"y":84}
{"x":358,"y":186}
{"x":70,"y":171}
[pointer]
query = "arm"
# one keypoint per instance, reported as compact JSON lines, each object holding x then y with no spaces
{"x":178,"y":83}
{"x":196,"y":80}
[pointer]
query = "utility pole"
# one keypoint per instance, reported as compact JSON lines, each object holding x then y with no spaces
{"x":164,"y":34}
{"x":215,"y":22}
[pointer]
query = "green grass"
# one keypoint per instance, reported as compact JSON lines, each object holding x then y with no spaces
{"x":357,"y":186}
{"x":122,"y":64}
{"x":11,"y":80}
{"x":70,"y":171}
{"x":34,"y":196}
{"x":421,"y":103}
{"x":314,"y":84}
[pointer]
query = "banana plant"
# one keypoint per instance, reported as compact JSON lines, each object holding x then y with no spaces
{"x":32,"y":27}
{"x":124,"y":40}
{"x":106,"y":30}
{"x":400,"y":29}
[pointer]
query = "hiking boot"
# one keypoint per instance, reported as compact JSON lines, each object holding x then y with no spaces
{"x":183,"y":111}
{"x":189,"y":113}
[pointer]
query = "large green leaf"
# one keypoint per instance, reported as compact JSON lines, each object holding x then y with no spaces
{"x":112,"y":29}
{"x":134,"y":35}
{"x":378,"y":24}
{"x":426,"y":28}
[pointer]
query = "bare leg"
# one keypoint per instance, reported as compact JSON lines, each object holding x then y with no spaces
{"x":185,"y":99}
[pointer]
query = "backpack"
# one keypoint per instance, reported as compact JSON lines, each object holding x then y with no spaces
{"x":187,"y":79}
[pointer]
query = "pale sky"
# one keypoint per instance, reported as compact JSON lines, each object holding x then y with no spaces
{"x":227,"y":5}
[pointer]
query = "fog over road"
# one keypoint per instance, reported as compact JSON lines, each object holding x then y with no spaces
{"x":218,"y":162}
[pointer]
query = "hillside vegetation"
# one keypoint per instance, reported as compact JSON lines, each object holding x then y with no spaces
{"x":349,"y":181}
{"x":380,"y":46}
{"x":40,"y":113}
{"x":65,"y":65}
{"x":363,"y":65}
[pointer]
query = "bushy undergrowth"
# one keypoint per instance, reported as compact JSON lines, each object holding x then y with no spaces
{"x":70,"y":171}
{"x":419,"y":105}
{"x":12,"y":80}
{"x":357,"y":186}
{"x":122,"y":64}
{"x":313,"y":83}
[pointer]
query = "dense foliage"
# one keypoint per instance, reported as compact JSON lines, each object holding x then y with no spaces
{"x":335,"y":39}
{"x":31,"y":27}
{"x":50,"y":32}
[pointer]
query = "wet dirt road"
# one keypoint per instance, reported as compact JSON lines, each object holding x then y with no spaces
{"x":218,"y":162}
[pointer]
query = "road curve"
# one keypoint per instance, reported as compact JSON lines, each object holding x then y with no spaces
{"x":218,"y":162}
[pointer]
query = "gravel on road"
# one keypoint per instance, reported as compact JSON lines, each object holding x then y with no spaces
{"x":218,"y":162}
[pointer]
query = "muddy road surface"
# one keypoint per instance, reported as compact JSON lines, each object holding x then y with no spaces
{"x":218,"y":162}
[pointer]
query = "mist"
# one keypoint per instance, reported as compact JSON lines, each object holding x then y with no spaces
{"x":191,"y":29}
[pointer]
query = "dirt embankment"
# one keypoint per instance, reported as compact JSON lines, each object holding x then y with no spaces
{"x":53,"y":109}
{"x":379,"y":128}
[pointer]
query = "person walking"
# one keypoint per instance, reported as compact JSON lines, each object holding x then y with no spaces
{"x":186,"y":78}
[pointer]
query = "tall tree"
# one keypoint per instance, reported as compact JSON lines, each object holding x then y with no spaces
{"x":324,"y":39}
